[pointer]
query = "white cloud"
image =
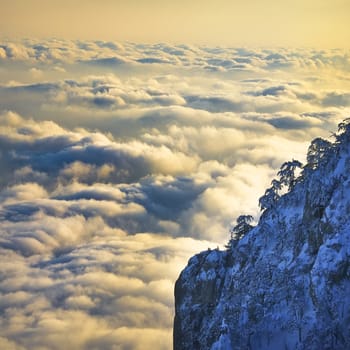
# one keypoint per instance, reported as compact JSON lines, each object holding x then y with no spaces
{"x":124,"y":160}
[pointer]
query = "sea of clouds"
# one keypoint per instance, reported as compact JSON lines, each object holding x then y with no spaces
{"x":120,"y":161}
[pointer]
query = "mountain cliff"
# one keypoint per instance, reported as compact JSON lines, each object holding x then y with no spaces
{"x":286,"y":283}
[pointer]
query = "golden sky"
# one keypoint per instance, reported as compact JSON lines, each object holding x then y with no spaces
{"x":119,"y":162}
{"x":318,"y":23}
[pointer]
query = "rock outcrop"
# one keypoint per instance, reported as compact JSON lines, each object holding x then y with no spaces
{"x":286,"y":283}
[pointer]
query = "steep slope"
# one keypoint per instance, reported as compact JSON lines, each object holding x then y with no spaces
{"x":286,"y":283}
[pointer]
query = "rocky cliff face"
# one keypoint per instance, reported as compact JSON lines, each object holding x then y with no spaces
{"x":286,"y":283}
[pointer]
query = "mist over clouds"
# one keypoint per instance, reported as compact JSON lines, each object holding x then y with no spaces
{"x":120,"y":161}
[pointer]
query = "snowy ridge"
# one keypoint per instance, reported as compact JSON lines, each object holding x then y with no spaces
{"x":285,"y":284}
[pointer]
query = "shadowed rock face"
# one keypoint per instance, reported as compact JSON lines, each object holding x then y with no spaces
{"x":286,"y":284}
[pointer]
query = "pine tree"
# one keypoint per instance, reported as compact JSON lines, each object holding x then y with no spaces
{"x":269,"y":198}
{"x":287,"y":173}
{"x":287,"y":177}
{"x":343,"y":131}
{"x":241,"y":228}
{"x":318,"y":149}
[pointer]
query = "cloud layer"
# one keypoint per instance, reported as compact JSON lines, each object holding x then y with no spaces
{"x":120,"y":161}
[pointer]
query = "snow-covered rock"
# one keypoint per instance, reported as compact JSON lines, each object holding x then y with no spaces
{"x":286,"y":283}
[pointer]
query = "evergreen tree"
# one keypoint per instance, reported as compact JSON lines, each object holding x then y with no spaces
{"x":271,"y":195}
{"x":343,"y":131}
{"x":269,"y":198}
{"x":318,"y":149}
{"x":242,"y":227}
{"x":287,"y":173}
{"x":287,"y":177}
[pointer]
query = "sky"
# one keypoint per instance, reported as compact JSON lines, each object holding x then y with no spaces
{"x":123,"y":152}
{"x":309,"y":23}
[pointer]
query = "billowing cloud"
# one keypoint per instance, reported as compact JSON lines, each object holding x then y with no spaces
{"x":120,"y":161}
{"x":337,"y":99}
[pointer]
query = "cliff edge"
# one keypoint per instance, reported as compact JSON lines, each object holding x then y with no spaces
{"x":286,"y":283}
